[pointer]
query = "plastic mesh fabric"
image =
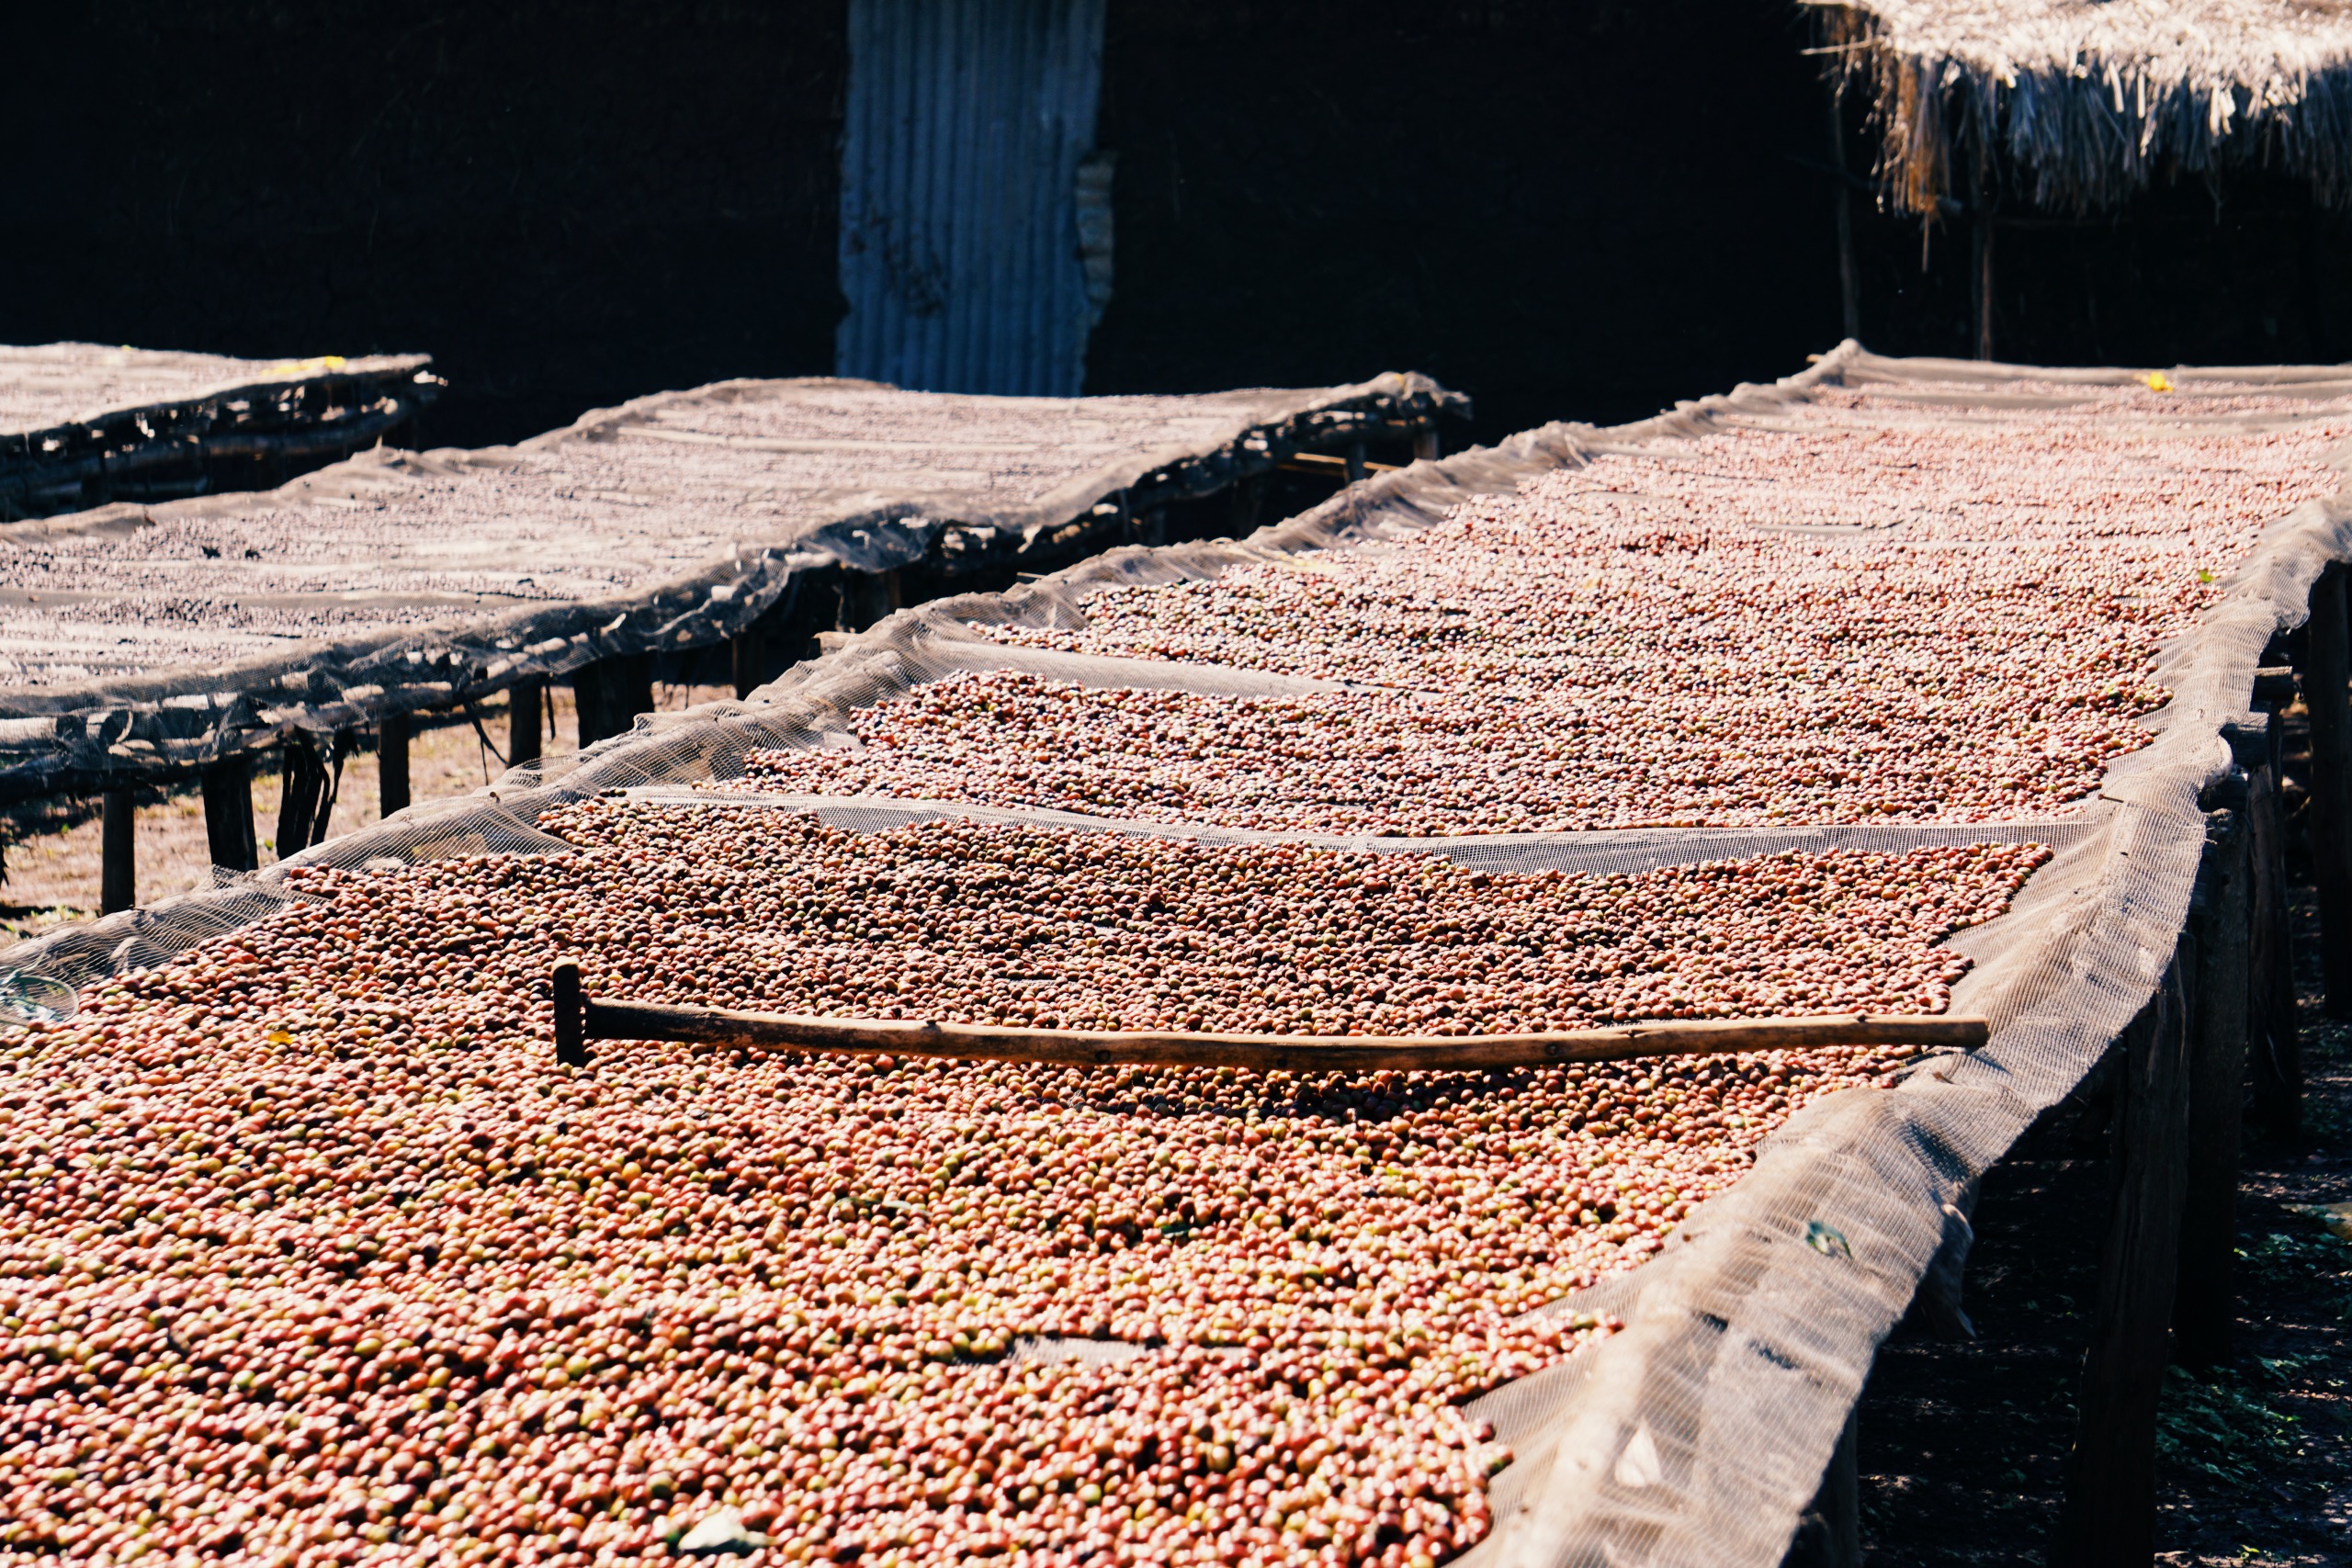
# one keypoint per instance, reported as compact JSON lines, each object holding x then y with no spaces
{"x":141,"y":641}
{"x":81,"y":423}
{"x":1697,"y":1434}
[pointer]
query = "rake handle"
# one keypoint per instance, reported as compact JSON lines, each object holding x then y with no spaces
{"x":580,"y":1019}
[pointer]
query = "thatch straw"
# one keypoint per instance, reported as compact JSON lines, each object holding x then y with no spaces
{"x":2084,"y":103}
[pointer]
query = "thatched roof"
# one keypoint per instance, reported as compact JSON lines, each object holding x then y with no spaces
{"x":2087,"y":101}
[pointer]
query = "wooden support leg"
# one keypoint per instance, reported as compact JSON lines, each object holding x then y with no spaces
{"x":1849,"y":281}
{"x":118,"y":853}
{"x":302,"y":792}
{"x":2205,"y":1305}
{"x":2326,"y":680}
{"x":611,"y":693}
{"x":2275,"y":1047}
{"x":228,"y":814}
{"x":2109,"y":1517}
{"x":1249,"y":501}
{"x":1830,"y":1532}
{"x":524,"y":737}
{"x":748,"y":651}
{"x":1425,"y":443}
{"x":391,"y":762}
{"x":868,"y":597}
{"x":1154,"y":528}
{"x":1356,"y":470}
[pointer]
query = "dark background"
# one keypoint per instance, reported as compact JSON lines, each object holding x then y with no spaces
{"x":1579,"y":208}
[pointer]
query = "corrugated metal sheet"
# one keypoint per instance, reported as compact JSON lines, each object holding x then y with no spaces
{"x":966,"y":123}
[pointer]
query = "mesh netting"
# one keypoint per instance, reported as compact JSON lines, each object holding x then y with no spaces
{"x":141,"y":641}
{"x":82,"y":424}
{"x":1697,"y":1433}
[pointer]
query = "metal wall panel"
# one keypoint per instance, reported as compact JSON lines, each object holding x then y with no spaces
{"x":967,"y":120}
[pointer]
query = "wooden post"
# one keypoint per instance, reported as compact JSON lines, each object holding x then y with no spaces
{"x":2110,"y":1515}
{"x":1425,"y":442}
{"x":1356,"y":470}
{"x":2205,"y":1307}
{"x":2276,"y":1047}
{"x":302,"y":790}
{"x":1249,"y":501}
{"x":611,"y":693}
{"x":1830,"y":1532}
{"x":2327,"y":675}
{"x":228,"y":814}
{"x":118,"y":853}
{"x":524,"y":700}
{"x":1850,"y":280}
{"x":748,"y":652}
{"x":868,"y":597}
{"x":391,"y":762}
{"x":1982,"y":286}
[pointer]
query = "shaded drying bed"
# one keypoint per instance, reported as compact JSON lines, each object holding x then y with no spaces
{"x":306,"y":1201}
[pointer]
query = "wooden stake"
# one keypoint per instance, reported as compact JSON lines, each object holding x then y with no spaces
{"x":228,"y":814}
{"x":2328,"y":674}
{"x":524,"y":737}
{"x":1425,"y":443}
{"x":1254,"y":1053}
{"x":2205,"y":1305}
{"x":2110,"y":1515}
{"x":392,"y":762}
{"x":118,"y":853}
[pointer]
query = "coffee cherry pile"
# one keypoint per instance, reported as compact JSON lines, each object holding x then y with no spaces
{"x":1404,"y":764}
{"x":308,"y":1251}
{"x":1850,"y":617}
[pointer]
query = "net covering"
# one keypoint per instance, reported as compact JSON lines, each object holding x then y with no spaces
{"x":146,"y":638}
{"x":1610,"y":1314}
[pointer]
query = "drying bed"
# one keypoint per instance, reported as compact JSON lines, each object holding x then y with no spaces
{"x":311,"y":1190}
{"x":151,"y":638}
{"x":82,"y":425}
{"x":912,"y":1312}
{"x":1844,"y":613}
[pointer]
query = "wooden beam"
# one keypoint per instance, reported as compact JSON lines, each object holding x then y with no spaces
{"x":1256,"y":1052}
{"x":118,"y":853}
{"x":2327,"y":694}
{"x":2108,"y":1519}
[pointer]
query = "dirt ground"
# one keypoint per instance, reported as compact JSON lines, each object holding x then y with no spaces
{"x":1963,"y":1445}
{"x":52,"y":859}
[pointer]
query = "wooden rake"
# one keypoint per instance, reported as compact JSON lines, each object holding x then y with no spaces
{"x":580,"y":1018}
